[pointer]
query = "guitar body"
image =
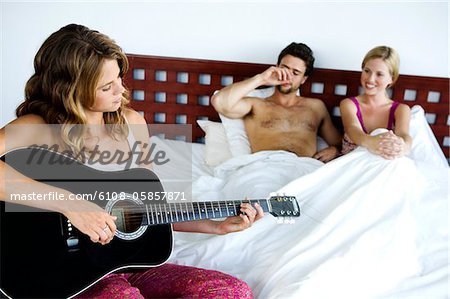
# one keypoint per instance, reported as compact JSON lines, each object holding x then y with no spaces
{"x":43,"y":256}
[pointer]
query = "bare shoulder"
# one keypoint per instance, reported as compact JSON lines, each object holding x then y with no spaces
{"x":403,"y":112}
{"x":24,"y":131}
{"x":257,"y":104}
{"x":19,"y":126}
{"x":31,"y":119}
{"x":311,"y":101}
{"x":403,"y":108}
{"x":314,"y":103}
{"x":138,"y":124}
{"x":347,"y":104}
{"x":254,"y":100}
{"x":346,"y":101}
{"x":133,"y":117}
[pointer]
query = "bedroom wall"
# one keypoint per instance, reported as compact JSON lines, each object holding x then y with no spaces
{"x":254,"y":31}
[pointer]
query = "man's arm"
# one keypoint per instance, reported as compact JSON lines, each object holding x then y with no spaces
{"x":330,"y":134}
{"x":232,"y":102}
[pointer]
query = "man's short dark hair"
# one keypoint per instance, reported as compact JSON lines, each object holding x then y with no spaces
{"x":301,"y":51}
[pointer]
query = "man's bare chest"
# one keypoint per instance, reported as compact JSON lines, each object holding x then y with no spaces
{"x":278,"y":118}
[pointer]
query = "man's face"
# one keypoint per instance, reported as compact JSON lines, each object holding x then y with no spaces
{"x":297,"y":68}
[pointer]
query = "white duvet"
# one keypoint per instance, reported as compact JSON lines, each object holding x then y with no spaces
{"x":254,"y":175}
{"x":370,"y":228}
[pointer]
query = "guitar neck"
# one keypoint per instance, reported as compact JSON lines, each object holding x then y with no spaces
{"x":165,"y":213}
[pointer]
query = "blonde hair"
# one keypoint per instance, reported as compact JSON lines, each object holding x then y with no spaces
{"x":67,"y":69}
{"x":389,"y":56}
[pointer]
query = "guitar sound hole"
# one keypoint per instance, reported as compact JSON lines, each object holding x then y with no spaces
{"x":129,"y":216}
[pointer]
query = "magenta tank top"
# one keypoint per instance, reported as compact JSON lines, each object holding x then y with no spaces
{"x":347,"y":143}
{"x":391,"y":120}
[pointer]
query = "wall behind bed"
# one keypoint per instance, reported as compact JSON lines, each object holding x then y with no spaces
{"x":254,"y":31}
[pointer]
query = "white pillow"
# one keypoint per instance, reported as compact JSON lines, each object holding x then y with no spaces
{"x":321,"y":143}
{"x":236,"y":135}
{"x":235,"y":128}
{"x":425,"y":147}
{"x":217,"y":148}
{"x":262,"y":93}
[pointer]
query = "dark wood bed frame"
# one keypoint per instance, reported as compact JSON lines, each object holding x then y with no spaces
{"x":177,"y":91}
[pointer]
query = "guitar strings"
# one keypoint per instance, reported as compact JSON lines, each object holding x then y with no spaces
{"x":180,"y":207}
{"x":164,"y":213}
{"x":177,"y":212}
{"x":185,"y":207}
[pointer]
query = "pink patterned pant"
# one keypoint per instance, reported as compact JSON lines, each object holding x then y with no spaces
{"x":169,"y":281}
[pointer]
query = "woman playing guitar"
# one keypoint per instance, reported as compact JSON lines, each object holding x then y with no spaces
{"x":77,"y":80}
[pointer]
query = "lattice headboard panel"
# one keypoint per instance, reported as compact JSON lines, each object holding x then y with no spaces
{"x":178,"y":91}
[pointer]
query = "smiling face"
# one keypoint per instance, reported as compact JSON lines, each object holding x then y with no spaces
{"x":109,"y":90}
{"x":375,"y":77}
{"x":297,"y":67}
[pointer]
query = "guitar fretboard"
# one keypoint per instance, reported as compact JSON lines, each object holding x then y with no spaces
{"x":189,"y":211}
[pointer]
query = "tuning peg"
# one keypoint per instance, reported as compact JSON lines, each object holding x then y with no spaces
{"x":280,"y":220}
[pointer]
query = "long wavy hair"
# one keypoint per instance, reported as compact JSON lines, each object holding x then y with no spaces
{"x":67,"y":69}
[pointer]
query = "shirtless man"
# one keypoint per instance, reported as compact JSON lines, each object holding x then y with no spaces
{"x":283,"y":121}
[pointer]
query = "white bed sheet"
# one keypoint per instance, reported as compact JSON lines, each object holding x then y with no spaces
{"x":370,"y":228}
{"x":185,"y":164}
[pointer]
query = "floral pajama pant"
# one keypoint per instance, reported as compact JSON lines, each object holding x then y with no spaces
{"x":169,"y":281}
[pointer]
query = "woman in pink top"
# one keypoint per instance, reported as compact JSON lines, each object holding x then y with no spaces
{"x":374,"y":109}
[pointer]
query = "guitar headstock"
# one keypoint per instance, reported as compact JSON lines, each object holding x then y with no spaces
{"x":284,"y":206}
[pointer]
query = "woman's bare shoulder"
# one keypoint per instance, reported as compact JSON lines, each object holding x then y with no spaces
{"x":133,"y":117}
{"x":31,"y":119}
{"x":403,"y":107}
{"x":25,"y":131}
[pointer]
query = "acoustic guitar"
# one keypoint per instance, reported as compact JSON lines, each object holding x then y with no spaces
{"x":43,"y":256}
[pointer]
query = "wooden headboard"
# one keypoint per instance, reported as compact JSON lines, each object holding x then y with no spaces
{"x":178,"y":91}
